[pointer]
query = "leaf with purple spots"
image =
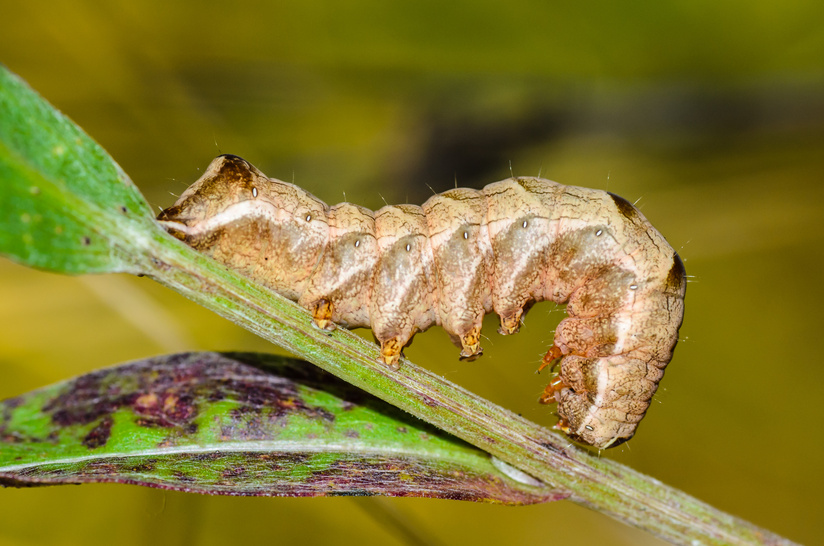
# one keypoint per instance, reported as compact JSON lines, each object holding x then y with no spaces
{"x":241,"y":424}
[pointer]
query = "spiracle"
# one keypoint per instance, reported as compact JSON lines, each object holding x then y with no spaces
{"x":461,"y":255}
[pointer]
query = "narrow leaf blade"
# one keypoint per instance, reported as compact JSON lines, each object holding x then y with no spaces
{"x":239,"y":425}
{"x":65,"y":205}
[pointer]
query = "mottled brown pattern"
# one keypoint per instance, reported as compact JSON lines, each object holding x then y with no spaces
{"x":460,"y":255}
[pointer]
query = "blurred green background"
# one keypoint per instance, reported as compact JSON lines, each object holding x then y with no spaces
{"x":710,"y":114}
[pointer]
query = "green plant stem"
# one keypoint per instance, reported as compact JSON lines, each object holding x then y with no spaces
{"x":600,"y":484}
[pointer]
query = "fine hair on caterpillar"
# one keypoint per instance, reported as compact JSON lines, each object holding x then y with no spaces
{"x":462,"y":254}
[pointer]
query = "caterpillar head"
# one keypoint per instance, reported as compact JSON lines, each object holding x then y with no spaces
{"x":228,"y":180}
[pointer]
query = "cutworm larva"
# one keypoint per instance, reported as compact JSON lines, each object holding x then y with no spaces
{"x":463,"y":254}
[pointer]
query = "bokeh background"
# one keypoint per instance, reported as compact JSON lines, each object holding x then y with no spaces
{"x":710,"y":115}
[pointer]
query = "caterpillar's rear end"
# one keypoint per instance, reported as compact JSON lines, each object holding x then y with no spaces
{"x":463,"y":254}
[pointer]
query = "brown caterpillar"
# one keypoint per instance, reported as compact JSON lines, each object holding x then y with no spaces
{"x":463,"y":254}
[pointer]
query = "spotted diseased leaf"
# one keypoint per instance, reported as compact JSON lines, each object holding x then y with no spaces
{"x":239,"y":424}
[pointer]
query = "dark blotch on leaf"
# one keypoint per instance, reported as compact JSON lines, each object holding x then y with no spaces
{"x":141,"y":468}
{"x":358,"y":493}
{"x":183,"y":477}
{"x":234,"y":472}
{"x":85,"y":401}
{"x":99,"y":435}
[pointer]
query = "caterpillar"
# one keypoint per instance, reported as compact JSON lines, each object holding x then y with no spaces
{"x":460,"y":255}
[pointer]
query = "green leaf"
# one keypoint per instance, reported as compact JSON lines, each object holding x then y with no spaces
{"x":240,"y":424}
{"x":65,"y":204}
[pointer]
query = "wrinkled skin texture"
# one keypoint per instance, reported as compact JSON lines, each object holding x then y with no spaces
{"x":463,"y":254}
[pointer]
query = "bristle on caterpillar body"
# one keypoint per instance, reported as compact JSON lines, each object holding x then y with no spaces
{"x":460,"y":255}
